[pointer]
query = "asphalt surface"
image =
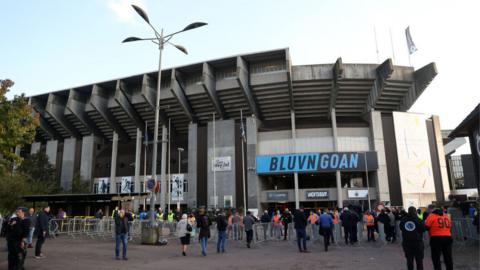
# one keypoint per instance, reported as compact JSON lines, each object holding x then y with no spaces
{"x":84,"y":253}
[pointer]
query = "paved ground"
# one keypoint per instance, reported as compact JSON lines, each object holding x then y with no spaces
{"x":67,"y":253}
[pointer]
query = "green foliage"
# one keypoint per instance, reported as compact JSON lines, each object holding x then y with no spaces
{"x":34,"y":176}
{"x":39,"y":174}
{"x":18,"y":122}
{"x":79,"y":185}
{"x":12,"y":187}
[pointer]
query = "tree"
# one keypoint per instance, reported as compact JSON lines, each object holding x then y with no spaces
{"x":39,"y":174}
{"x":79,"y":185}
{"x":12,"y":187}
{"x":18,"y":122}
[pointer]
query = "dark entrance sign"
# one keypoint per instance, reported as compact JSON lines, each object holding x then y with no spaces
{"x":317,"y":162}
{"x":277,"y":196}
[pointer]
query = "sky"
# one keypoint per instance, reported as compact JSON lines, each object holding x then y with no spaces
{"x":56,"y":44}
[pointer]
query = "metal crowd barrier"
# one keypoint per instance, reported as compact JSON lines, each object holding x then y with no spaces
{"x":463,"y":230}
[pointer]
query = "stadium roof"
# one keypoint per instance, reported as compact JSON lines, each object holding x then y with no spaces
{"x":469,"y":123}
{"x":264,"y":84}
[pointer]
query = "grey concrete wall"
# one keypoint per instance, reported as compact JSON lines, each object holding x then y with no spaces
{"x":224,"y":147}
{"x":253,"y":181}
{"x":68,"y":163}
{"x":191,"y":198}
{"x":377,"y":143}
{"x":52,"y":149}
{"x":87,"y":160}
{"x":35,"y":147}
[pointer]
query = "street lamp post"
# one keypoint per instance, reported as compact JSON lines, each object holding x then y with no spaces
{"x":160,"y":39}
{"x":180,"y":150}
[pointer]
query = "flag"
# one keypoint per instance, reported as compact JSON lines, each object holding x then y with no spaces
{"x":411,"y":46}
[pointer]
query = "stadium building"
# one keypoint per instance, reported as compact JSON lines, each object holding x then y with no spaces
{"x":313,"y":135}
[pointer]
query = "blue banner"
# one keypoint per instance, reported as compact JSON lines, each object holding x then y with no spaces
{"x":317,"y":162}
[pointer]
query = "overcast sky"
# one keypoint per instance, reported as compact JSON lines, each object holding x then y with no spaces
{"x":53,"y":45}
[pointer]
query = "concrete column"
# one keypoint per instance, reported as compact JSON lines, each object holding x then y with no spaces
{"x":378,"y":144}
{"x":52,"y":149}
{"x":113,"y":165}
{"x":87,"y":160}
{"x":253,"y":180}
{"x":224,"y":147}
{"x":68,"y":163}
{"x":295,"y":175}
{"x":441,"y":157}
{"x":138,"y":154}
{"x":335,"y":147}
{"x":35,"y":147}
{"x":192,"y":165}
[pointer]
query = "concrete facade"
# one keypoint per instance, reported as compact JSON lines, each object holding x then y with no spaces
{"x":192,"y":165}
{"x":52,"y":150}
{"x":222,"y":181}
{"x":68,"y":163}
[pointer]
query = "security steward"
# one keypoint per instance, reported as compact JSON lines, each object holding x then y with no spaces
{"x":17,"y":234}
{"x":439,"y":227}
{"x":412,"y":238}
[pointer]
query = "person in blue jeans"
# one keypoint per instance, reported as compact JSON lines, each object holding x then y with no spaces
{"x":203,"y":223}
{"x":121,"y":235}
{"x":300,"y":221}
{"x":222,"y":231}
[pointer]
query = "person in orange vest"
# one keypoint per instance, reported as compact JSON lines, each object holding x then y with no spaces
{"x":312,"y":220}
{"x":334,"y":215}
{"x":439,"y":227}
{"x":277,"y":224}
{"x":369,"y":222}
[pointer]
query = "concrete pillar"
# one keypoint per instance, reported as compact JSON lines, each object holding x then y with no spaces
{"x":68,"y":163}
{"x":35,"y":147}
{"x":224,"y":147}
{"x":253,"y":180}
{"x":87,"y":160}
{"x":192,"y":165}
{"x":52,"y":149}
{"x":113,"y":165}
{"x":378,"y":144}
{"x":441,"y":157}
{"x":18,"y":149}
{"x":335,"y":148}
{"x":295,"y":175}
{"x":138,"y":154}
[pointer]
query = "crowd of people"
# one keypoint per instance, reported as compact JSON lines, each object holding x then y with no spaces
{"x":21,"y":227}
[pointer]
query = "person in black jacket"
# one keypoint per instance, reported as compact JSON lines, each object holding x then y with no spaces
{"x":42,"y":231}
{"x":286,"y":219}
{"x":17,"y":232}
{"x":203,"y":223}
{"x":412,"y":238}
{"x":300,"y":222}
{"x":265,"y":220}
{"x":121,"y":234}
{"x":349,"y":224}
{"x":222,"y":231}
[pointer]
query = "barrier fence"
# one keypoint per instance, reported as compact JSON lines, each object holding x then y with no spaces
{"x":463,"y":230}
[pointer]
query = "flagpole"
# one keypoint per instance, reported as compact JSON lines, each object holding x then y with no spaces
{"x":376,"y":44}
{"x":214,"y":169}
{"x":391,"y":43}
{"x":243,"y":164}
{"x":169,"y":161}
{"x":145,"y":167}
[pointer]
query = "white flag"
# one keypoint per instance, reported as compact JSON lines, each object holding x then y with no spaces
{"x":411,"y":46}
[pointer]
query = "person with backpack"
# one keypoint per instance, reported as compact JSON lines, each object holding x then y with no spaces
{"x":222,"y":231}
{"x":286,"y":220}
{"x":203,"y":223}
{"x":412,"y":238}
{"x":248,"y":222}
{"x":326,"y":224}
{"x":184,"y":230}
